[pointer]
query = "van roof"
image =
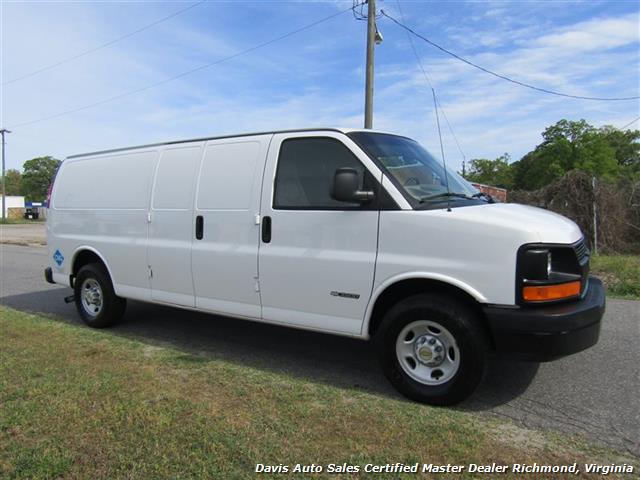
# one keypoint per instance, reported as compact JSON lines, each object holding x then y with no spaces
{"x":201,"y":139}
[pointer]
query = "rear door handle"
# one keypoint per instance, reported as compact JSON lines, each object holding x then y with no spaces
{"x":266,"y":229}
{"x":199,"y":227}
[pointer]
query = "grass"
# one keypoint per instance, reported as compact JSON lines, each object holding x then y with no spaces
{"x":80,"y":403}
{"x":620,"y":274}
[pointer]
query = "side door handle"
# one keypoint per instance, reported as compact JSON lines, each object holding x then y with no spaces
{"x":266,"y":229}
{"x":199,"y":227}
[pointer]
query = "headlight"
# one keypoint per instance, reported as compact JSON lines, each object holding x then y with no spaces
{"x":535,"y":264}
{"x":548,"y":273}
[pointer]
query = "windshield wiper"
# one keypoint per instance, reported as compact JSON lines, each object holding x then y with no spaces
{"x":443,"y":195}
{"x":482,"y":194}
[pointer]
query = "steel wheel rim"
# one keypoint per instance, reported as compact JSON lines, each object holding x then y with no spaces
{"x":91,"y":297}
{"x":428,"y":352}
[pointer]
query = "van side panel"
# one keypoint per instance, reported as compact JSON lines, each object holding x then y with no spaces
{"x":317,"y":270}
{"x":225,"y":260}
{"x":113,"y":182}
{"x":172,"y":224}
{"x":101,"y":202}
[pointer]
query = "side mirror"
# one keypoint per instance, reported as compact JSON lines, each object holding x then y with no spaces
{"x":345,"y":187}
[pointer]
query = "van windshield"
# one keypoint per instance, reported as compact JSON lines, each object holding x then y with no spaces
{"x":414,"y":169}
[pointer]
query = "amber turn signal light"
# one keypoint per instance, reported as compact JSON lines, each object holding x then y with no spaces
{"x":551,"y":292}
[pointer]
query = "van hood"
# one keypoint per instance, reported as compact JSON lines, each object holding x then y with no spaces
{"x":538,"y":224}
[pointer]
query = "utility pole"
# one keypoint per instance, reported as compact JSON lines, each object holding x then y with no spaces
{"x":4,"y":193}
{"x":372,"y":39}
{"x":595,"y":217}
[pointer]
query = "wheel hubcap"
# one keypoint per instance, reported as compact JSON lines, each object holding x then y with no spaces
{"x":91,"y":297}
{"x":428,"y":352}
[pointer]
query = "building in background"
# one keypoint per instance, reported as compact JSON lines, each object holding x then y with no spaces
{"x":14,"y":206}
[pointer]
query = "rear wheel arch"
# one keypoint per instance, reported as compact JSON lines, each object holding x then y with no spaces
{"x":85,"y":256}
{"x":403,"y":289}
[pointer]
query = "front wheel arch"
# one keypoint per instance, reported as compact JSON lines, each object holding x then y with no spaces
{"x":406,"y":288}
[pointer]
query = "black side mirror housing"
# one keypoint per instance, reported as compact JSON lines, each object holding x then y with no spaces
{"x":345,"y":187}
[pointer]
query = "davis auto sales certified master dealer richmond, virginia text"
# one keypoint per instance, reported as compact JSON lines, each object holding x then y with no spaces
{"x":447,"y":468}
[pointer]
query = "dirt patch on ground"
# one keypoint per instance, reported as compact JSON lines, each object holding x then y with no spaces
{"x":520,"y":437}
{"x":24,"y":234}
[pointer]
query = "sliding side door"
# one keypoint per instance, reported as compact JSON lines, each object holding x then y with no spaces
{"x":225,"y":228}
{"x":171,"y":224}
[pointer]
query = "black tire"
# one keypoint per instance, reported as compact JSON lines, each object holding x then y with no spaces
{"x":111,"y":307}
{"x":466,"y":329}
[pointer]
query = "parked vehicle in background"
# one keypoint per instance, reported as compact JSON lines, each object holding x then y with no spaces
{"x":31,"y":213}
{"x":349,"y":232}
{"x":33,"y":210}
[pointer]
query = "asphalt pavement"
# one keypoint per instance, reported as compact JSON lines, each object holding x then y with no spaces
{"x":595,"y":393}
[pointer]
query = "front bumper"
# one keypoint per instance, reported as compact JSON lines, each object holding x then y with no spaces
{"x":544,"y":333}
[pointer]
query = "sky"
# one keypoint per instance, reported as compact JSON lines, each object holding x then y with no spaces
{"x":313,"y":78}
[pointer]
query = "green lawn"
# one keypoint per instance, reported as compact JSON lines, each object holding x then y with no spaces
{"x":87,"y":404}
{"x":620,"y":274}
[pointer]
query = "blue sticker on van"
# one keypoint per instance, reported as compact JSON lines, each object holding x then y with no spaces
{"x":58,"y":258}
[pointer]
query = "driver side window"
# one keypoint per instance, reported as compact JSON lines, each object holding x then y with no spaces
{"x":304,"y":177}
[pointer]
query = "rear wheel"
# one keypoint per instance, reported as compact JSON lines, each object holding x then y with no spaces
{"x":433,"y":348}
{"x":95,"y":298}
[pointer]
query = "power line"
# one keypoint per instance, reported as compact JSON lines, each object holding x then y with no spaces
{"x":424,"y":72}
{"x":498,"y":75}
{"x":183,"y":74}
{"x":630,"y":123}
{"x":104,"y":45}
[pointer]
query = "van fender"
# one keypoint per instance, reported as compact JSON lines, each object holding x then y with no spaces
{"x":82,"y":248}
{"x":479,"y":297}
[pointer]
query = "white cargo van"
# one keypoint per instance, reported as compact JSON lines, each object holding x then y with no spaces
{"x":350,"y":232}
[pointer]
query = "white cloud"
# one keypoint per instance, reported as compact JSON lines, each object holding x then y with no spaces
{"x":596,"y":34}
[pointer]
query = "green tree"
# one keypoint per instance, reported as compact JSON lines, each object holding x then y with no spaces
{"x":566,"y":146}
{"x":594,"y":155}
{"x":37,"y":175}
{"x":13,"y":182}
{"x":626,"y":145}
{"x":496,"y":172}
{"x":534,"y":171}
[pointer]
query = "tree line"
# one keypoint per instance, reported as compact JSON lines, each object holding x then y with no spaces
{"x":34,"y":180}
{"x":606,"y":153}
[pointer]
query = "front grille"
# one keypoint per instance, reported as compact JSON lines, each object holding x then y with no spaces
{"x":582,"y":252}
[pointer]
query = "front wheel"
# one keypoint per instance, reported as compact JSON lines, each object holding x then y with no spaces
{"x":433,"y":349}
{"x":95,"y":298}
